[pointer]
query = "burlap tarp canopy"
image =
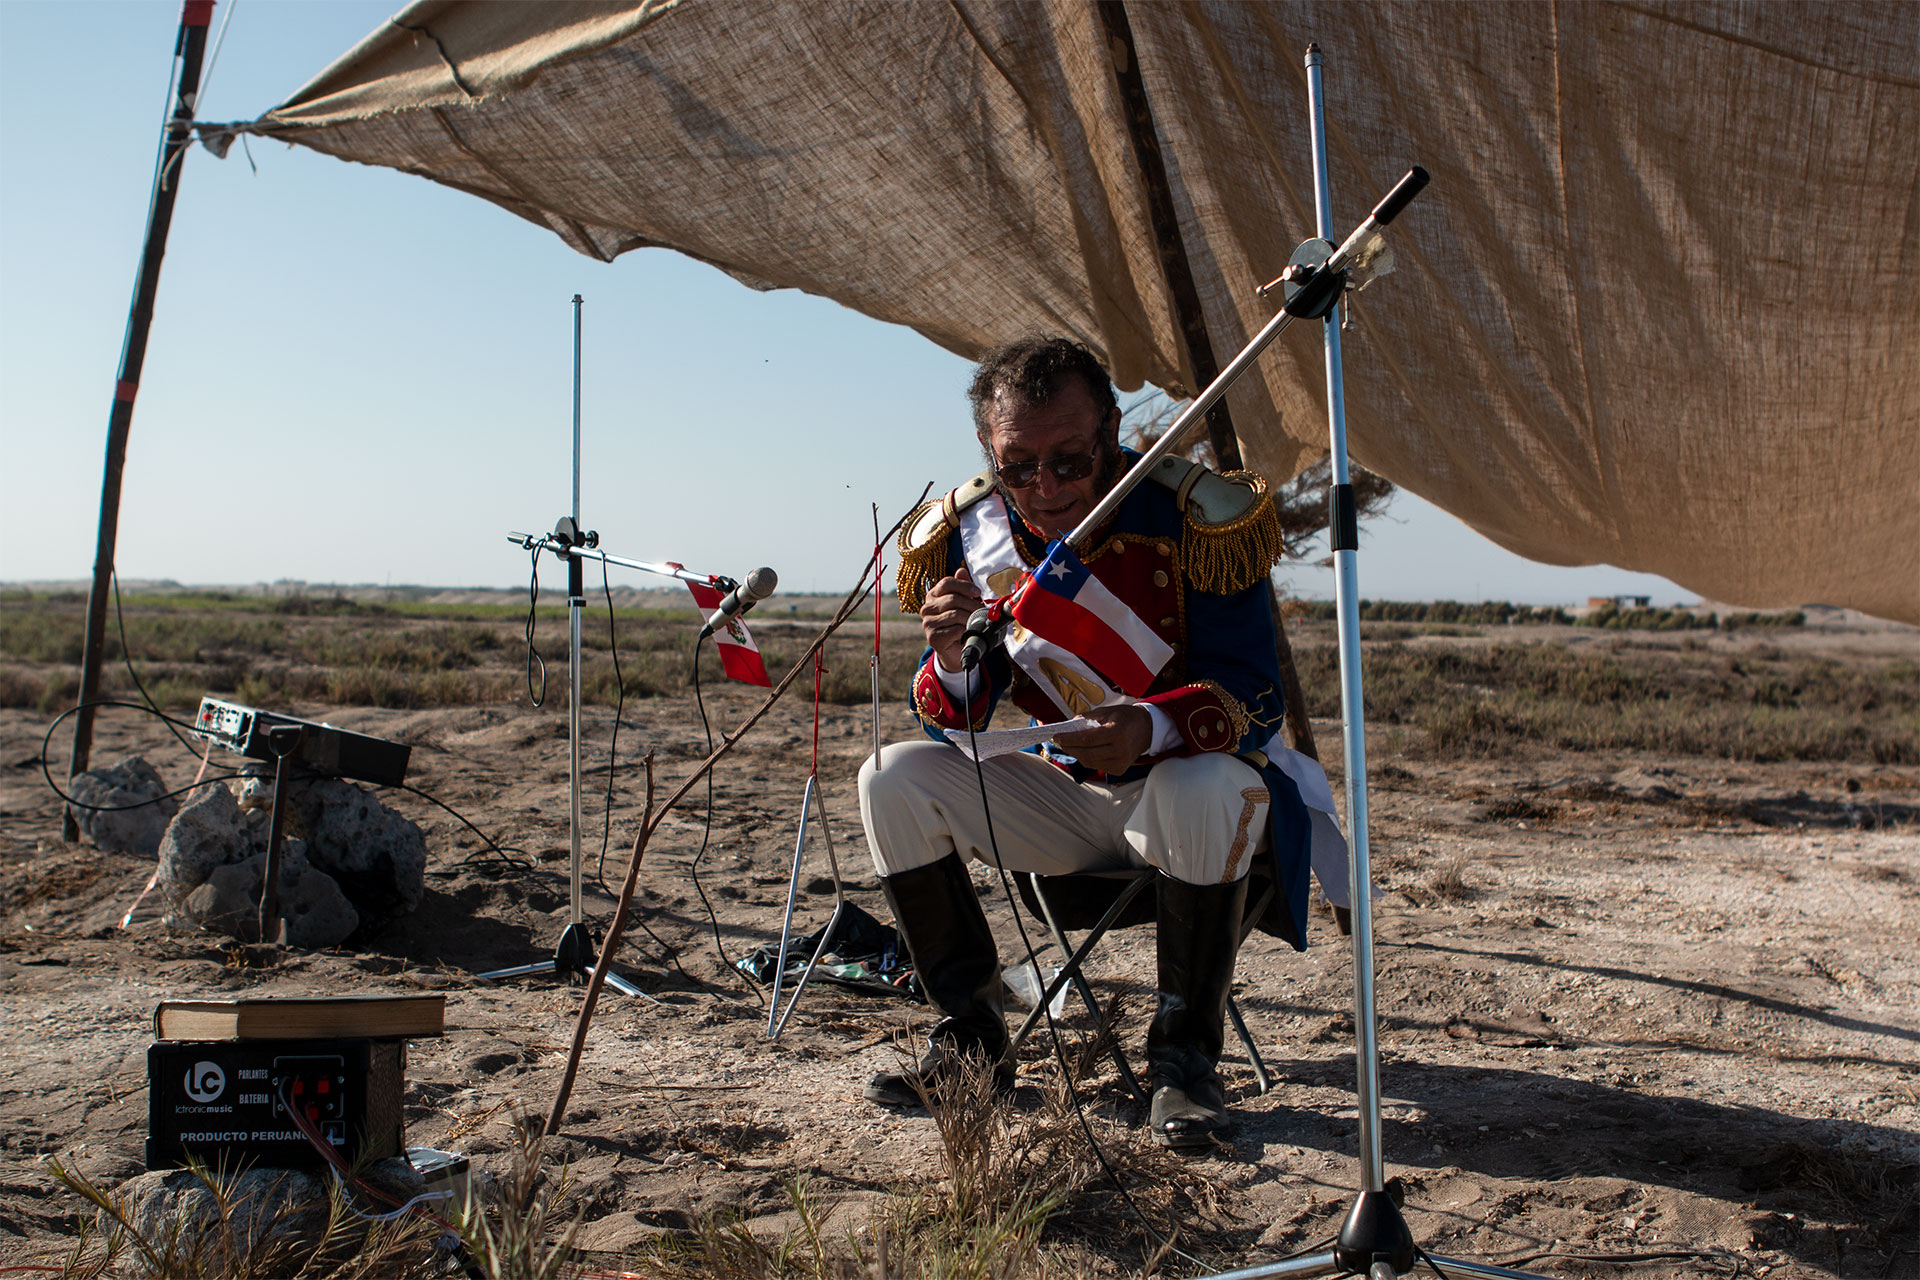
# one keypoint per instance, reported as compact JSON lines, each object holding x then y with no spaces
{"x":1659,"y":308}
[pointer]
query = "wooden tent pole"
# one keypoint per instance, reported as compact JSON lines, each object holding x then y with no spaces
{"x":189,"y":48}
{"x":1178,"y":274}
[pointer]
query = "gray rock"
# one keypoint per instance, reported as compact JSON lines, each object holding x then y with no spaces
{"x":275,"y":1220}
{"x":228,"y":901}
{"x":358,"y":859}
{"x":272,"y":1213}
{"x":206,"y":834}
{"x":317,"y":912}
{"x":121,"y":827}
{"x":379,"y":855}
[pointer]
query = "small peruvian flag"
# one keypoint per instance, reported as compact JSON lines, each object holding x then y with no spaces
{"x":1066,"y":604}
{"x":738,"y":653}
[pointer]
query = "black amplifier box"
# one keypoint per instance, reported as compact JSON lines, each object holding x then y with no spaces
{"x":222,"y":1101}
{"x":339,"y":753}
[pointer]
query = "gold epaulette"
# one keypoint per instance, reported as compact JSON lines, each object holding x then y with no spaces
{"x":923,"y":540}
{"x":1233,"y":531}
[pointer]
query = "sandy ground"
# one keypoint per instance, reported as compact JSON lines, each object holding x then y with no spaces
{"x":1651,"y":1009}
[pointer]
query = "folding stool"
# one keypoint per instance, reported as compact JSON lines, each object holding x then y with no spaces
{"x":1101,"y":900}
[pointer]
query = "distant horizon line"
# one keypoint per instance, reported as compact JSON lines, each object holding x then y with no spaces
{"x":300,"y":586}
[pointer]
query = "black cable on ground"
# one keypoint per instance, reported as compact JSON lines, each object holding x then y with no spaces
{"x":613,"y":760}
{"x":503,"y":852}
{"x":1431,"y":1264}
{"x":613,"y":747}
{"x":1053,"y":1031}
{"x":693,"y":867}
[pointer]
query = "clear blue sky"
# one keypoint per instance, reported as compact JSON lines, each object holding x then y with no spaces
{"x":358,"y":376}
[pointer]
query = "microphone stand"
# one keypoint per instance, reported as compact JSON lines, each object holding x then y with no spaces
{"x":574,"y":954}
{"x":1374,"y":1239}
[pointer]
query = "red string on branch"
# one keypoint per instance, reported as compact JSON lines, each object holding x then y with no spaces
{"x":878,"y":567}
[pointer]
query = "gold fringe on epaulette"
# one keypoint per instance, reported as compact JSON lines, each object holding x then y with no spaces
{"x":920,"y":567}
{"x":1222,"y":559}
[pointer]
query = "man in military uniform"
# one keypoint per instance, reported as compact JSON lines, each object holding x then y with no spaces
{"x":1172,"y":780}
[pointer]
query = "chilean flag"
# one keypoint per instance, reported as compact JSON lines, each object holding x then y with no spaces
{"x":1067,"y":605}
{"x":739,"y":655}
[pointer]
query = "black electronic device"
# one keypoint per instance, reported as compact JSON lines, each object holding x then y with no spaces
{"x":338,"y":753}
{"x":223,"y":1101}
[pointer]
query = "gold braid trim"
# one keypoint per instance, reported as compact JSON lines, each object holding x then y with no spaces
{"x":1236,"y":711}
{"x":1223,"y":559}
{"x":921,"y":566}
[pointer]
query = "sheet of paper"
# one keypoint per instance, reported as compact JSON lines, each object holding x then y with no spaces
{"x":997,"y":742}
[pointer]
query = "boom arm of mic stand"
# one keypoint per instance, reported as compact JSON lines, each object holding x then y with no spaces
{"x":1402,"y":194}
{"x":720,"y":581}
{"x":1178,"y":432}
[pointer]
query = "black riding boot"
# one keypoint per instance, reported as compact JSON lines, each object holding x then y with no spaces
{"x":938,"y":914}
{"x":1199,"y":934}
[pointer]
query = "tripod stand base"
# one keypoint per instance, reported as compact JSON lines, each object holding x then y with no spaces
{"x":1375,"y":1242}
{"x":572,"y":955}
{"x":1375,"y":1233}
{"x":1323,"y":1264}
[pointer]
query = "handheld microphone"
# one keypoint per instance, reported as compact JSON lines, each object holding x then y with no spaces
{"x":983,"y":630}
{"x":758,"y":586}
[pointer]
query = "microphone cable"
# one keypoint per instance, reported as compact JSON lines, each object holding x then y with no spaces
{"x":613,"y":761}
{"x":613,"y":747}
{"x":46,"y":770}
{"x":706,"y":835}
{"x":1053,"y":1031}
{"x":533,"y":612}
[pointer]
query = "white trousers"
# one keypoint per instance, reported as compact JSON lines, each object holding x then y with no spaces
{"x":1201,"y":819}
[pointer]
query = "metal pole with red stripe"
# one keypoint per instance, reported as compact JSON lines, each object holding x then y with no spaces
{"x":189,"y":48}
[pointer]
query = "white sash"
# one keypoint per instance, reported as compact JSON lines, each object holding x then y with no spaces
{"x":995,"y":564}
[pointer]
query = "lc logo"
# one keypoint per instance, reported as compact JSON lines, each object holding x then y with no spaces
{"x":206,"y":1081}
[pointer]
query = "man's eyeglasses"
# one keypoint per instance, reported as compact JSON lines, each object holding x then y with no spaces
{"x":1068,"y":466}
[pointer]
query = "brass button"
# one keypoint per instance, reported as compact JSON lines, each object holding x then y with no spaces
{"x":1165,"y":548}
{"x":1166,"y":622}
{"x":1159,"y":577}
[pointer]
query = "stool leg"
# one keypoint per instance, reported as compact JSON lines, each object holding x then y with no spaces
{"x":1071,"y":970}
{"x":1246,"y":1039}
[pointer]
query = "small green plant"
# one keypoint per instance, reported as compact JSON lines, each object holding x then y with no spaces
{"x":518,"y":1227}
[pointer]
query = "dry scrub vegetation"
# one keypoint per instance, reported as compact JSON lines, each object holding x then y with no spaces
{"x":344,"y":652}
{"x":1575,"y":688}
